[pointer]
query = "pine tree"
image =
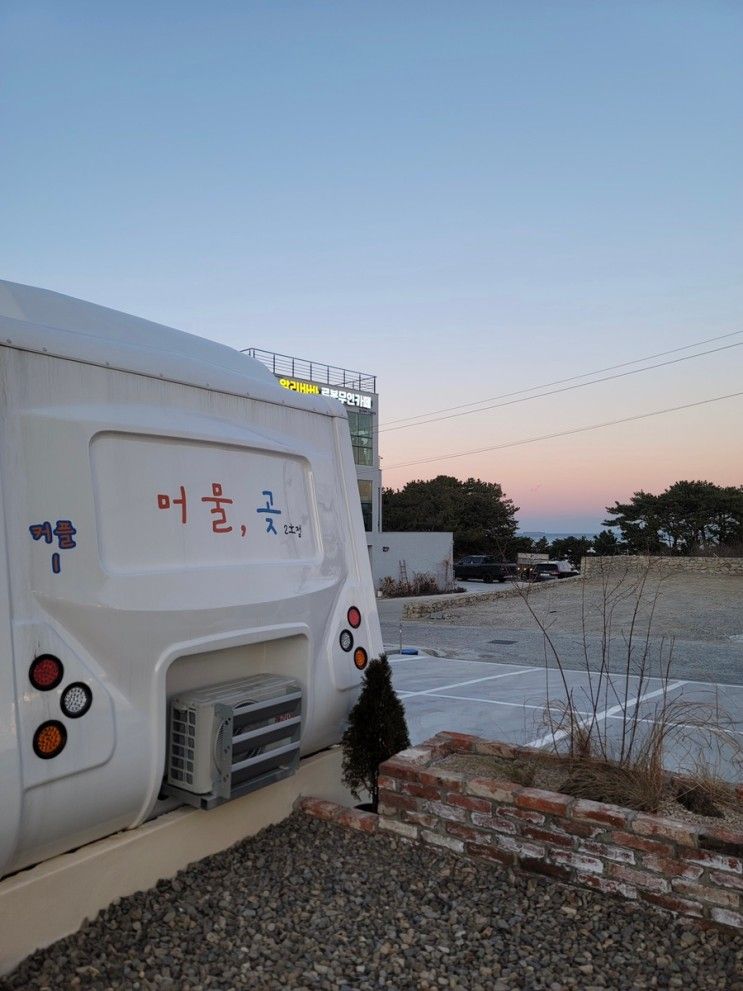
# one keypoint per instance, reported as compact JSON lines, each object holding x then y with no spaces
{"x":376,"y":731}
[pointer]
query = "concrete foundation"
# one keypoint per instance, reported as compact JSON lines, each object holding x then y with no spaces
{"x":47,"y":902}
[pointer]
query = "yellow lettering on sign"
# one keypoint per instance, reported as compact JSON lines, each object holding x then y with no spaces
{"x":294,"y":386}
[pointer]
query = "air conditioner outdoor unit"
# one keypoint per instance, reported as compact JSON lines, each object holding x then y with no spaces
{"x":230,"y":739}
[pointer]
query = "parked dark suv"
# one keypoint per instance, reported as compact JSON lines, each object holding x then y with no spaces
{"x":489,"y":569}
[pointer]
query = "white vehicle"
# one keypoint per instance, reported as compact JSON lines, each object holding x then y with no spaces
{"x":174,"y":521}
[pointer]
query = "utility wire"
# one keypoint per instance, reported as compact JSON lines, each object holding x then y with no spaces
{"x":572,"y":378}
{"x":565,"y":388}
{"x":566,"y":433}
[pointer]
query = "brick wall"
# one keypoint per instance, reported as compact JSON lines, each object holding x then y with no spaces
{"x":675,"y":865}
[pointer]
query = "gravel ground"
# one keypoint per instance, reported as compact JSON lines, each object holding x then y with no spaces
{"x":307,"y":905}
{"x":693,"y":607}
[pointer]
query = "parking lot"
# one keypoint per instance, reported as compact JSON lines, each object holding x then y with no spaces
{"x":494,"y":671}
{"x":510,"y":702}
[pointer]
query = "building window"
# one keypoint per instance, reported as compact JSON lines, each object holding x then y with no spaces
{"x":365,"y":494}
{"x":360,"y":423}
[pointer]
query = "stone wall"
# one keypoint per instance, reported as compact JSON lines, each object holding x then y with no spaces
{"x":593,"y":565}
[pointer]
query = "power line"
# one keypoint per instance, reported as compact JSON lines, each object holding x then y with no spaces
{"x":566,"y":433}
{"x":571,"y":378}
{"x":565,"y":388}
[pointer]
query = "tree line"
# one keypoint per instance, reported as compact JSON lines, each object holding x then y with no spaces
{"x":689,"y":517}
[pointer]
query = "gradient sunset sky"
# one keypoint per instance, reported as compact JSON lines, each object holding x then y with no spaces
{"x":464,"y":198}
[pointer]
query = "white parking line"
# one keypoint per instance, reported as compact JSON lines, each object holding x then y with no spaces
{"x":606,"y":713}
{"x":511,"y":705}
{"x":462,"y":684}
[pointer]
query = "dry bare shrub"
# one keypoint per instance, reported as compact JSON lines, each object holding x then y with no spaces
{"x":630,"y":769}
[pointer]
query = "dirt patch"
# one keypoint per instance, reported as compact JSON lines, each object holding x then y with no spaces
{"x":693,"y":607}
{"x":553,"y":775}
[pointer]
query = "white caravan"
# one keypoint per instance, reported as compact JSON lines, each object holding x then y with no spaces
{"x":175,"y":524}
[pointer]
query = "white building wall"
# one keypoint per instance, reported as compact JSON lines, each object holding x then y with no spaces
{"x":421,"y":552}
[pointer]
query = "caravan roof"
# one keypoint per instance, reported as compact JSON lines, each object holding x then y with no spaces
{"x":40,"y":320}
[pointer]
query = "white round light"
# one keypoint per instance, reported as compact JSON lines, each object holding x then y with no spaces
{"x":76,"y":700}
{"x":346,"y":640}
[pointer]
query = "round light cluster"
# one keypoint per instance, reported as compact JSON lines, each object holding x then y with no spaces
{"x":49,"y":739}
{"x":353,"y":618}
{"x":46,"y":672}
{"x":76,"y":700}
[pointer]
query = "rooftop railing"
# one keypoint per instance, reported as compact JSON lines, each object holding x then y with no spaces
{"x":313,"y":371}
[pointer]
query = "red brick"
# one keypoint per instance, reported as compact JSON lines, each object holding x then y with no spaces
{"x":667,"y":829}
{"x":672,"y":868}
{"x":421,"y":756}
{"x":495,"y":788}
{"x":418,"y":790}
{"x":388,"y":783}
{"x":673,"y":903}
{"x":640,"y":843}
{"x":547,"y":870}
{"x":727,"y":918}
{"x":390,"y":802}
{"x":497,"y":824}
{"x":522,"y":815}
{"x":609,"y":886}
{"x":399,"y":769}
{"x":467,"y":832}
{"x":468,"y":802}
{"x":543,"y":801}
{"x":721,"y":841}
{"x":612,"y":815}
{"x":445,"y":811}
{"x":439,"y":746}
{"x":319,"y":809}
{"x":714,"y":861}
{"x":460,"y":742}
{"x":441,"y":839}
{"x":494,"y":748}
{"x":422,"y":819}
{"x":726,"y":880}
{"x":490,"y":853}
{"x":582,"y":829}
{"x":442,"y":778}
{"x":404,"y":830}
{"x":366,"y":822}
{"x":547,"y":836}
{"x":617,"y":854}
{"x":707,"y":893}
{"x":640,"y":879}
{"x":520,"y":847}
{"x":579,"y":861}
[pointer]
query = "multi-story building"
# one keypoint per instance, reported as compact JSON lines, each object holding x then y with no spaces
{"x":400,"y":556}
{"x":358,"y":392}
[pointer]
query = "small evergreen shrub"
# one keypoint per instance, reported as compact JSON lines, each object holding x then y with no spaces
{"x":376,"y":731}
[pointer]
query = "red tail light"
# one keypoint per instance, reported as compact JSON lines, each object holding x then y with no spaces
{"x":46,"y":672}
{"x":354,"y":617}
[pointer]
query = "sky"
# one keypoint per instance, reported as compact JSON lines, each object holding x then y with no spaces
{"x":466,"y":199}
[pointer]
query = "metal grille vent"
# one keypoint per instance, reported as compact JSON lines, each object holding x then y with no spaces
{"x":182,"y":739}
{"x":226,"y":740}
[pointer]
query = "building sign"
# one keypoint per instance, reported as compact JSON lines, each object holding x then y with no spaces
{"x":306,"y":387}
{"x":356,"y":399}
